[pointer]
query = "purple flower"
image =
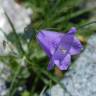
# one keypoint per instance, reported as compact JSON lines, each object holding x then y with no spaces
{"x":59,"y":47}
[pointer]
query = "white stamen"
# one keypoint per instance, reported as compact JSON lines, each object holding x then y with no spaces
{"x":63,"y":50}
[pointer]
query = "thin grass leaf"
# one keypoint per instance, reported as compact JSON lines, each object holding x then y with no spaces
{"x":13,"y":81}
{"x":18,"y":39}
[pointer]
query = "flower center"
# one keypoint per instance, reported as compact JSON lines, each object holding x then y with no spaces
{"x":63,"y":50}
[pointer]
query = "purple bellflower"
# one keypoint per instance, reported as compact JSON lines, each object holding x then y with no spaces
{"x":59,"y":47}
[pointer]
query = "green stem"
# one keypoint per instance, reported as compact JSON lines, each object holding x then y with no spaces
{"x":13,"y":81}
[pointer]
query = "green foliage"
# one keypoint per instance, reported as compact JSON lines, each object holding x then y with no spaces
{"x":25,"y":93}
{"x":32,"y":61}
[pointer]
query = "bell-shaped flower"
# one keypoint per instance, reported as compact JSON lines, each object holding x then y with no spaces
{"x":59,"y":47}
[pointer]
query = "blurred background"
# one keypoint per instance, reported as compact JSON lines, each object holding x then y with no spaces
{"x":23,"y":64}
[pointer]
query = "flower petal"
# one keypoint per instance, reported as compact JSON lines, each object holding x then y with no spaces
{"x":76,"y":47}
{"x":49,"y":40}
{"x":62,"y":60}
{"x":73,"y":30}
{"x":67,"y":39}
{"x":65,"y":62}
